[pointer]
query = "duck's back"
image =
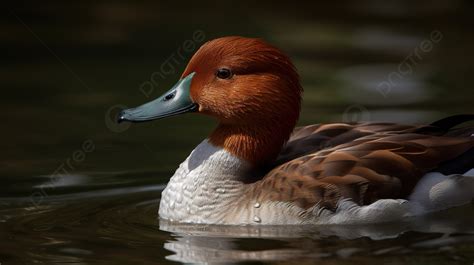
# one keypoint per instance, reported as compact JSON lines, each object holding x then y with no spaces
{"x":325,"y":164}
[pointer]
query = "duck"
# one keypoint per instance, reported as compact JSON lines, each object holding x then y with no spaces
{"x":256,"y":168}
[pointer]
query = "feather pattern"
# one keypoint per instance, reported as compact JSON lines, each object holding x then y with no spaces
{"x":323,"y":164}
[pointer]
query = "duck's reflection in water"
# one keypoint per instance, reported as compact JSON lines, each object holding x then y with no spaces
{"x":217,"y":244}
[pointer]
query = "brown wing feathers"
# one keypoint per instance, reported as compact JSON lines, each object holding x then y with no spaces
{"x":365,"y":162}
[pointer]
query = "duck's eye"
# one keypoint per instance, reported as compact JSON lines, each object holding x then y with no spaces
{"x":224,"y":73}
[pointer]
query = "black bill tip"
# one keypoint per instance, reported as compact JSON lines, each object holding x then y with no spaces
{"x":121,"y":117}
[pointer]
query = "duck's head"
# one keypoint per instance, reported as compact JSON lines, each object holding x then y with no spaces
{"x":251,"y":87}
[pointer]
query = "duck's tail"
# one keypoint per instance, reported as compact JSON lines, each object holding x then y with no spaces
{"x":446,"y":126}
{"x":452,"y":121}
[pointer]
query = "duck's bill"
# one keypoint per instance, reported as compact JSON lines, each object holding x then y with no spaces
{"x":176,"y":101}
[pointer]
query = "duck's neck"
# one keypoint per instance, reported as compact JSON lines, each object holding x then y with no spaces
{"x":257,"y":144}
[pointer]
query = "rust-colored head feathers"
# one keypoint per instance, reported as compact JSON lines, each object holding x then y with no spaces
{"x":257,"y":106}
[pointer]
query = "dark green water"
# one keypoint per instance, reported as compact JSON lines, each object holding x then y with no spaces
{"x":76,"y":188}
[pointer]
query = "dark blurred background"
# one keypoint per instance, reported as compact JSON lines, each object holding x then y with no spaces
{"x":68,"y":66}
